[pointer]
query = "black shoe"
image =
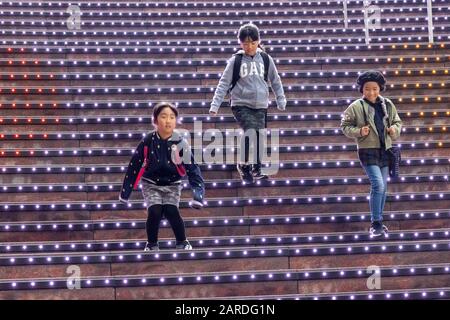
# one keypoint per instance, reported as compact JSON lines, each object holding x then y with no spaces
{"x":245,"y":173}
{"x":184,"y":245}
{"x":377,"y":228}
{"x":257,"y":174}
{"x":151,"y":247}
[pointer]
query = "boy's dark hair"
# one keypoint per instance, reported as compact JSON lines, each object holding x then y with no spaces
{"x":160,"y":107}
{"x":371,"y":76}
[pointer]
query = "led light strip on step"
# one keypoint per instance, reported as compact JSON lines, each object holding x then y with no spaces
{"x":205,"y":243}
{"x":189,"y":279}
{"x":112,"y":168}
{"x":256,"y":201}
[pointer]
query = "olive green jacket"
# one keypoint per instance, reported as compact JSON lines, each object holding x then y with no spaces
{"x":353,"y":120}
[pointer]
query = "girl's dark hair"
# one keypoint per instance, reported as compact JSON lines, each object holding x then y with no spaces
{"x":250,"y":31}
{"x":160,"y":107}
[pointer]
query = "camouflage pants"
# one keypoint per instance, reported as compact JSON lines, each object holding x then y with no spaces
{"x":154,"y":194}
{"x":249,"y":119}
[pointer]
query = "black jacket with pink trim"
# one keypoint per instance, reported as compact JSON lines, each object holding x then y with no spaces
{"x":161,"y":169}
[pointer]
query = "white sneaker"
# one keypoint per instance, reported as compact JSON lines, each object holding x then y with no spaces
{"x":184,"y":246}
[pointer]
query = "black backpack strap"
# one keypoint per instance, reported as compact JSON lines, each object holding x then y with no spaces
{"x":389,"y":116}
{"x":266,"y":59}
{"x":364,"y":111}
{"x":236,"y":70}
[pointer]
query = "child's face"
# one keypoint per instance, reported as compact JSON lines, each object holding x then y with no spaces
{"x":250,"y":46}
{"x":371,"y":91}
{"x":166,"y":122}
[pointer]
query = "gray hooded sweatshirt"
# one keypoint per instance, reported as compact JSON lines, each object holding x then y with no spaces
{"x":251,"y":90}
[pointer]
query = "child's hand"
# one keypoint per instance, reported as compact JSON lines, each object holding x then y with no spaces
{"x":365,"y":131}
{"x":213,"y":113}
{"x":391,"y":131}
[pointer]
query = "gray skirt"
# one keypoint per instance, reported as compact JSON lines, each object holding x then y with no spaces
{"x":154,"y":194}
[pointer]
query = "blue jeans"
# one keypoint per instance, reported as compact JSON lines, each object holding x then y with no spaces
{"x":378,"y":189}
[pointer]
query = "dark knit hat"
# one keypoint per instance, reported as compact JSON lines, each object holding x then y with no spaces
{"x":371,"y":76}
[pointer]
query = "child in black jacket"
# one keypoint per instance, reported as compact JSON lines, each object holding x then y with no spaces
{"x":162,"y":158}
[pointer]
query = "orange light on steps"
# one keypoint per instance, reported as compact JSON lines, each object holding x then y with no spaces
{"x":29,"y":120}
{"x":31,"y":136}
{"x":421,"y":114}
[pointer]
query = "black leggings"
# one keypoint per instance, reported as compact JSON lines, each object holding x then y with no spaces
{"x":245,"y":145}
{"x":172,"y":214}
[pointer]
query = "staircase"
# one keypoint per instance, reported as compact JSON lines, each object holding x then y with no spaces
{"x":75,"y":103}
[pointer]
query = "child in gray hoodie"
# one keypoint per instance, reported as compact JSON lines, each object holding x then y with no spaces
{"x":247,"y":77}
